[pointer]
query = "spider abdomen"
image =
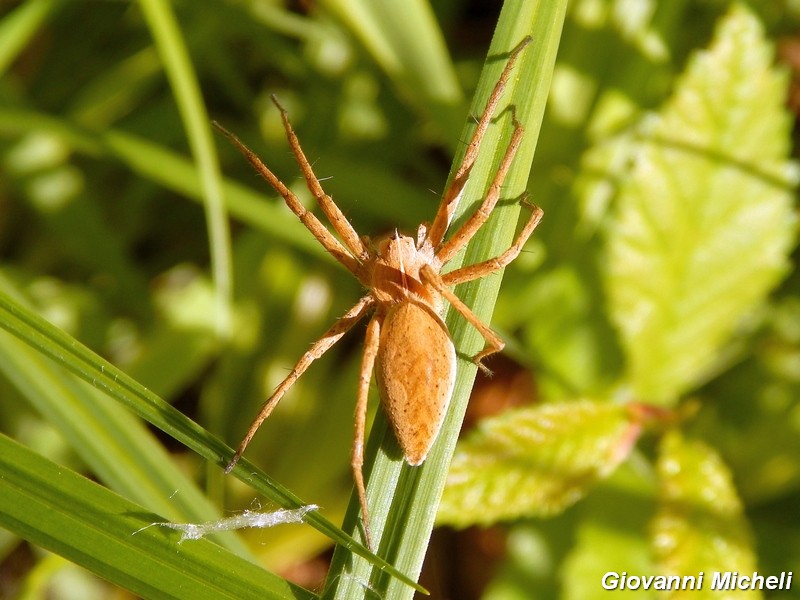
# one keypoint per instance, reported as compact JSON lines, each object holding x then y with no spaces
{"x":415,"y":370}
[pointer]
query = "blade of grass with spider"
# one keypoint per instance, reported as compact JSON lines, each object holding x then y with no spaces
{"x":403,"y":499}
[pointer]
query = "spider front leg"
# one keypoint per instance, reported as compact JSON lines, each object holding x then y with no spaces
{"x":487,"y":267}
{"x":442,"y":283}
{"x":493,"y":342}
{"x":451,"y":195}
{"x":467,"y":231}
{"x":336,"y":217}
{"x":320,"y":347}
{"x":312,"y":223}
{"x":371,"y":344}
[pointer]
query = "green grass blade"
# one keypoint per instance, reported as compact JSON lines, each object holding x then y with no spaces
{"x":59,"y":510}
{"x":183,"y":80}
{"x":17,"y":27}
{"x":413,"y":55}
{"x":113,"y":443}
{"x":403,"y":499}
{"x":81,"y":361}
{"x":171,"y":170}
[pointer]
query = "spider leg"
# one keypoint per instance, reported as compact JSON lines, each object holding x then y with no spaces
{"x":312,"y":223}
{"x":465,"y":233}
{"x":367,"y":363}
{"x":452,"y":194}
{"x":333,"y":212}
{"x":481,"y":269}
{"x":320,"y":347}
{"x":494,"y":343}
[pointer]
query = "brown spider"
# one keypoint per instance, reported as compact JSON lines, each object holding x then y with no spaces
{"x":407,"y":342}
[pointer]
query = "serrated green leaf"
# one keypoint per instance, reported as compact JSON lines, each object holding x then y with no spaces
{"x":700,"y":526}
{"x":600,"y":556}
{"x":534,"y":461}
{"x":611,"y":538}
{"x":704,"y":223}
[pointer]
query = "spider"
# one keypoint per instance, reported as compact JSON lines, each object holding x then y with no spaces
{"x":407,"y":342}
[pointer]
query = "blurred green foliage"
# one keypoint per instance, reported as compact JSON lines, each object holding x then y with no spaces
{"x":665,"y":146}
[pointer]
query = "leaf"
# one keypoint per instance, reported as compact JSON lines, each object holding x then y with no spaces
{"x":704,"y":223}
{"x":700,"y":526}
{"x":600,"y":556}
{"x":59,"y":510}
{"x":610,"y":537}
{"x":535,"y":461}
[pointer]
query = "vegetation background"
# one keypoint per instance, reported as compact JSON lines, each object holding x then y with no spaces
{"x":646,"y":408}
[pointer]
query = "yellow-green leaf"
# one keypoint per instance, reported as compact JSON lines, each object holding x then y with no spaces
{"x":704,"y":222}
{"x":534,"y":461}
{"x":700,"y":526}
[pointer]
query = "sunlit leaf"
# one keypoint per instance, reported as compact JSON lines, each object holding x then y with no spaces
{"x":535,"y":461}
{"x":700,"y":526}
{"x":704,"y":222}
